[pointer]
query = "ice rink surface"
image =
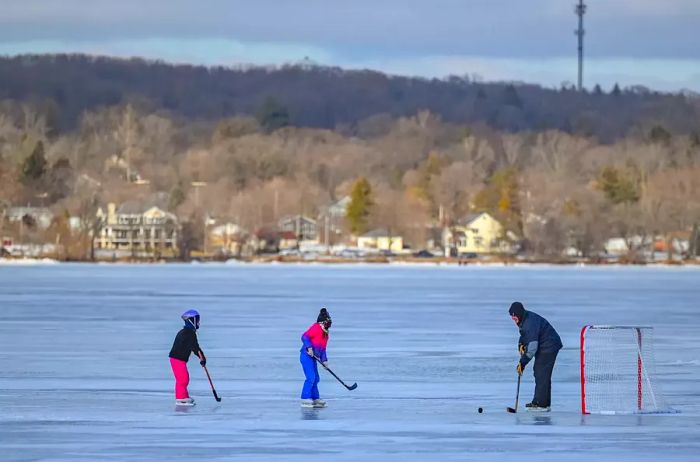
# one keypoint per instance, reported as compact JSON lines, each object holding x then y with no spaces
{"x":84,"y":373}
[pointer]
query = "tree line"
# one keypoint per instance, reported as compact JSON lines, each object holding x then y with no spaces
{"x":555,"y":190}
{"x":306,"y":95}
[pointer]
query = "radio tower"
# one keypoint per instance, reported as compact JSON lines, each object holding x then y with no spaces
{"x":580,"y":11}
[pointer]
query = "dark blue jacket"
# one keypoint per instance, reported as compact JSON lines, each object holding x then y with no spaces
{"x":538,"y":336}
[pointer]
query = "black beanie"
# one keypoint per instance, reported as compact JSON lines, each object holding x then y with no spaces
{"x":323,"y":315}
{"x":517,"y":309}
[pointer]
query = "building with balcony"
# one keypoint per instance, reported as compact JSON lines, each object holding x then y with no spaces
{"x":137,"y":230}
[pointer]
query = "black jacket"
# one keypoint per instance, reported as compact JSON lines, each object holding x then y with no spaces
{"x":184,"y":344}
{"x":538,"y":336}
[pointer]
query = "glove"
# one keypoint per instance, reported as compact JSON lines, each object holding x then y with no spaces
{"x":519,"y":368}
{"x":203,"y":361}
{"x":310,"y":351}
{"x":325,"y":364}
{"x":522,"y":348}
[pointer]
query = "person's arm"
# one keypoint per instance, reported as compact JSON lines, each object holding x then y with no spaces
{"x":197,"y":350}
{"x":306,"y":340}
{"x":529,"y":343}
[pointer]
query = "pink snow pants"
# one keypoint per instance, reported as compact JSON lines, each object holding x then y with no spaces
{"x":182,"y":378}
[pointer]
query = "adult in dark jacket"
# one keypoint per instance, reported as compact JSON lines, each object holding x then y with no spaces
{"x":538,"y":340}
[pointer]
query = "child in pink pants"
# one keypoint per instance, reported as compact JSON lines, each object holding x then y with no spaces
{"x":185,"y":343}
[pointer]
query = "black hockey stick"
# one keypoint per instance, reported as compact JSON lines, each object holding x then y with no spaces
{"x":517,"y":396}
{"x":216,"y":397}
{"x":351,"y":387}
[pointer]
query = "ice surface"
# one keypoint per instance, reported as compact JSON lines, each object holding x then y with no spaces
{"x":84,"y":373}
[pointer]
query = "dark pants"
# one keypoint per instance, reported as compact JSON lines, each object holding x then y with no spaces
{"x":544,"y":365}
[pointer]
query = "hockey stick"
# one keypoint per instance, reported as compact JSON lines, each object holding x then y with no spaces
{"x":351,"y":387}
{"x":216,"y":397}
{"x":517,"y":396}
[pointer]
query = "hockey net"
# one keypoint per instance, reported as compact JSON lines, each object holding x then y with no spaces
{"x":618,"y":371}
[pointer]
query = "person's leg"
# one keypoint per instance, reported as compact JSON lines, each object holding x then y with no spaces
{"x":549,"y":378}
{"x":314,"y":389}
{"x":308,"y":364}
{"x":182,"y":378}
{"x":544,"y":365}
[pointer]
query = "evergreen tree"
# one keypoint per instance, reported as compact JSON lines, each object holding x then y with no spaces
{"x":34,"y":166}
{"x":272,"y":115}
{"x":659,"y":135}
{"x":695,"y":140}
{"x":360,"y":204}
{"x":177,"y":196}
{"x":616,"y":90}
{"x":511,"y":97}
{"x":617,"y":186}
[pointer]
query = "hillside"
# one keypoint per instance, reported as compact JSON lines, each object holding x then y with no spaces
{"x":332,"y":98}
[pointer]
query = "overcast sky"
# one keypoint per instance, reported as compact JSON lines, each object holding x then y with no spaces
{"x":649,"y":42}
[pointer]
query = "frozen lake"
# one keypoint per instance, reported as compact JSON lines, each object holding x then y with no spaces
{"x":84,"y":372}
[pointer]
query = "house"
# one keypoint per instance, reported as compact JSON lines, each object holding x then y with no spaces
{"x":380,"y":239}
{"x":266,"y":240}
{"x":287,"y":240}
{"x":303,"y":228}
{"x":227,"y":239}
{"x":677,"y":242}
{"x":338,"y":209}
{"x":137,"y":229}
{"x":41,"y":216}
{"x":618,"y":246}
{"x":481,"y":233}
{"x":331,"y":221}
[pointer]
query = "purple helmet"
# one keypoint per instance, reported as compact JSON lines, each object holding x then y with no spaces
{"x":192,"y":317}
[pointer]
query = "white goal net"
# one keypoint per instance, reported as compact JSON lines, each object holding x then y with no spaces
{"x":618,"y":371}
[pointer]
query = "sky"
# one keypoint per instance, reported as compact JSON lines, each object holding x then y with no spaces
{"x":655,"y":43}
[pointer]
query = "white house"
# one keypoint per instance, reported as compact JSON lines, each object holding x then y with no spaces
{"x":138,"y":228}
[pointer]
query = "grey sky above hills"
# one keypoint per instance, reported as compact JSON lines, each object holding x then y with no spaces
{"x":647,"y":42}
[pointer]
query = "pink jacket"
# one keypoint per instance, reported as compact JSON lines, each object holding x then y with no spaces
{"x":315,"y":337}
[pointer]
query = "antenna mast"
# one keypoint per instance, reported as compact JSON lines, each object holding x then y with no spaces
{"x":580,"y":11}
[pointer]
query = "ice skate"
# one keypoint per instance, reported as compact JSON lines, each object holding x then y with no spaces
{"x":319,"y":403}
{"x":184,"y":402}
{"x":307,"y":403}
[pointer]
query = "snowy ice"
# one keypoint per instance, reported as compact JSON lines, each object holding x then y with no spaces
{"x":84,"y":373}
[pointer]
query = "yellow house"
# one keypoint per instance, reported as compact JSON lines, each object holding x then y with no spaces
{"x":481,"y":233}
{"x":380,"y":239}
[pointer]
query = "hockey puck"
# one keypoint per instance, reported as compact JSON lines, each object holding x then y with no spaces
{"x":480,"y":410}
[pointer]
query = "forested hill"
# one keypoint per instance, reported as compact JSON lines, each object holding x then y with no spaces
{"x":314,"y":96}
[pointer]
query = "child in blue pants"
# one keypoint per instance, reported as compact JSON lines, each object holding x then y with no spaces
{"x":314,"y":340}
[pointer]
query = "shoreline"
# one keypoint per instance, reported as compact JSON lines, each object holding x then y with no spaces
{"x":426,"y":262}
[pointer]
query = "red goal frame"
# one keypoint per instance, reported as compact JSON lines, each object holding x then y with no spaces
{"x":583,"y":362}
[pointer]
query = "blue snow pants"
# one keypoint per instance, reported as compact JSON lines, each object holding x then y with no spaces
{"x":310,"y":390}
